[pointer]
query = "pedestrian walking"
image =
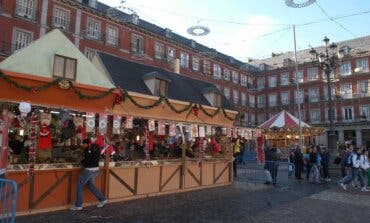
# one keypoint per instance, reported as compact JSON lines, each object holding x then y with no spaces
{"x":354,"y":162}
{"x":298,"y":163}
{"x":271,"y":164}
{"x":88,"y":175}
{"x":325,"y":158}
{"x":236,"y":152}
{"x":314,"y":174}
{"x":364,"y":166}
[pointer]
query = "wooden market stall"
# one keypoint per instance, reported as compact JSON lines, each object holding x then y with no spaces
{"x":283,"y":131}
{"x":51,"y":78}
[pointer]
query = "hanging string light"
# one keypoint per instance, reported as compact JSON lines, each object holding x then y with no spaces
{"x":294,"y":4}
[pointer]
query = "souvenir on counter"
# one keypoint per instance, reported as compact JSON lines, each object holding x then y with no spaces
{"x":24,"y":108}
{"x":129,"y":124}
{"x":117,"y":124}
{"x":79,"y":128}
{"x":161,"y":128}
{"x":202,"y":131}
{"x":90,"y":122}
{"x":172,"y":129}
{"x":151,"y":125}
{"x":103,"y":121}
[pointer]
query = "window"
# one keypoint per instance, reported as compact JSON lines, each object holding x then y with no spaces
{"x":112,"y":36}
{"x":363,"y":87}
{"x":65,"y":67}
{"x":90,"y":53}
{"x":93,"y":3}
{"x":345,"y":69}
{"x":26,"y":8}
{"x":61,"y":18}
{"x":261,"y":101}
{"x":171,"y":54}
{"x":284,"y":79}
{"x":303,"y":115}
{"x":347,"y":113}
{"x":184,"y":60}
{"x":161,"y":87}
{"x":312,"y":73}
{"x":252,"y":101}
{"x":272,"y":81}
{"x":362,"y":65}
{"x":243,"y":80}
{"x":21,"y":38}
{"x":216,"y":71}
{"x":346,"y":90}
{"x":93,"y":29}
{"x":260,"y":83}
{"x":226,"y":74}
{"x":235,"y":77}
{"x":334,"y":114}
{"x":196,"y":63}
{"x":299,"y":76}
{"x":235,"y":96}
{"x":252,"y":119}
{"x":261,"y":118}
{"x":243,"y":97}
{"x":216,"y":100}
{"x":227,"y":93}
{"x":314,"y":94}
{"x":332,"y":75}
{"x":245,"y":118}
{"x":272,"y":100}
{"x":206,"y":67}
{"x":365,"y":111}
{"x":137,"y":44}
{"x":158,"y":51}
{"x":301,"y":96}
{"x":285,"y":98}
{"x":333,"y":93}
{"x":315,"y":116}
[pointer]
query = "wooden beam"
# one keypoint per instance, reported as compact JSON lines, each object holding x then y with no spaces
{"x":194,"y":177}
{"x":222,"y":172}
{"x":170,"y":178}
{"x":132,"y":190}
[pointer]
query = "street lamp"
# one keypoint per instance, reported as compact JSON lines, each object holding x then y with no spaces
{"x":328,"y":61}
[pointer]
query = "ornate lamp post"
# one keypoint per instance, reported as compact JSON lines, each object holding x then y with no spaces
{"x":328,"y":61}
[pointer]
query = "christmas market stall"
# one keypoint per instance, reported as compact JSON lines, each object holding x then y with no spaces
{"x":177,"y":131}
{"x":283,"y":131}
{"x":48,"y":91}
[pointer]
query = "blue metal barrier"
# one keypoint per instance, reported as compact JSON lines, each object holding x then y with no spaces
{"x":8,"y":200}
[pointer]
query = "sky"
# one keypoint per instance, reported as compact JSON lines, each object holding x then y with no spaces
{"x":256,"y":28}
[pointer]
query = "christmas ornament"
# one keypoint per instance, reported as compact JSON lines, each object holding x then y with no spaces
{"x":195,"y":110}
{"x":64,"y":84}
{"x":24,"y":108}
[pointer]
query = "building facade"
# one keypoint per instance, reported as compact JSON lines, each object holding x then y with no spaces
{"x":259,"y":89}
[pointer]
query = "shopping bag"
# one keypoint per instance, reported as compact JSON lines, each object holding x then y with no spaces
{"x":268,"y":176}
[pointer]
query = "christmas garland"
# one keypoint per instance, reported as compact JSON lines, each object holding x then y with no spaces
{"x":125,"y":95}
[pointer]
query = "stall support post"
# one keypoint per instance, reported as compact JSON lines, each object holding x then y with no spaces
{"x":106,"y":176}
{"x":183,"y":168}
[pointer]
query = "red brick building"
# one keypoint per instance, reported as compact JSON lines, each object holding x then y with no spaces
{"x":258,"y":88}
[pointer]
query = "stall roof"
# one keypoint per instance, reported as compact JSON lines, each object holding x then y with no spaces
{"x":38,"y":59}
{"x":129,"y":76}
{"x":283,"y":120}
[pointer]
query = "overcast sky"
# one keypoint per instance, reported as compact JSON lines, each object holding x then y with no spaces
{"x":256,"y":28}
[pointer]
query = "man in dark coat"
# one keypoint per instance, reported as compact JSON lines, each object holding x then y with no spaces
{"x":325,"y":158}
{"x":271,"y":163}
{"x":298,"y":162}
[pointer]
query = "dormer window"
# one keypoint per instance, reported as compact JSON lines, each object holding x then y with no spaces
{"x":157,"y":83}
{"x":161,"y":88}
{"x":213,"y":96}
{"x":135,"y":19}
{"x":93,"y":3}
{"x":193,"y":43}
{"x":168,"y":33}
{"x":64,"y":67}
{"x":345,"y":50}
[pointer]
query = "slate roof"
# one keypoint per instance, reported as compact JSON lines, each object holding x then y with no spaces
{"x":124,"y":17}
{"x":129,"y":76}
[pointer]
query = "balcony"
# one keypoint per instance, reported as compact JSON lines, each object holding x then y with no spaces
{"x":261,"y":105}
{"x":62,"y":24}
{"x":92,"y":35}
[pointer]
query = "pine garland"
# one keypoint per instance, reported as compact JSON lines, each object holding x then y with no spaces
{"x":90,"y":97}
{"x":189,"y":106}
{"x":209,"y":114}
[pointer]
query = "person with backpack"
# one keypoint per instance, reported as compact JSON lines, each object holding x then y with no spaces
{"x":353,"y":161}
{"x":345,"y":162}
{"x":364,"y":167}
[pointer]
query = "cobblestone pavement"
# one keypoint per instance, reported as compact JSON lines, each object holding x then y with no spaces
{"x":241,"y":202}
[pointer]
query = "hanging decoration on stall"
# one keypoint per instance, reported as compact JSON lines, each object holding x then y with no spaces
{"x":33,"y":138}
{"x":44,"y":140}
{"x":103,"y":121}
{"x":90,"y":122}
{"x":129,"y":124}
{"x":147,"y":147}
{"x":193,"y":130}
{"x":79,"y":128}
{"x":235,"y":133}
{"x":24,"y":108}
{"x":151,"y":125}
{"x":260,"y":150}
{"x":117,"y":119}
{"x":161,"y":128}
{"x":201,"y":145}
{"x":202,"y":132}
{"x":4,"y":126}
{"x":64,"y":84}
{"x":68,"y":127}
{"x":172,"y":129}
{"x":216,"y":147}
{"x":228,"y":132}
{"x":208,"y":130}
{"x":195,"y":110}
